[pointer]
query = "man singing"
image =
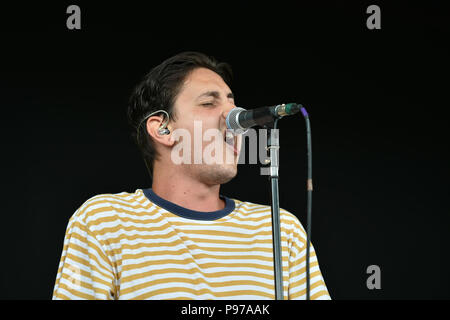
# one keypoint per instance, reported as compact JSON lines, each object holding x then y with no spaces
{"x":182,"y":239}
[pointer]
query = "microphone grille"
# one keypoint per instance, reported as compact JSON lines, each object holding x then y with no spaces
{"x":232,"y":118}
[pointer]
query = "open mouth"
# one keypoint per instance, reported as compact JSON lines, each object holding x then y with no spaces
{"x":231,"y":139}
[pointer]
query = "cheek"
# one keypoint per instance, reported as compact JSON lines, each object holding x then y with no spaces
{"x":198,"y":123}
{"x":206,"y":129}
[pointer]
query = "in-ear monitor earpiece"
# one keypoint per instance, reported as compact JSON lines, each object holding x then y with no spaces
{"x":162,"y":130}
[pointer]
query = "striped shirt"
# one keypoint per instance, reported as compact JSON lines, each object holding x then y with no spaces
{"x":140,"y":246}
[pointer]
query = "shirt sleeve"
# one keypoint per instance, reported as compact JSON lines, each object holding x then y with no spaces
{"x":297,"y":267}
{"x":85,"y":272}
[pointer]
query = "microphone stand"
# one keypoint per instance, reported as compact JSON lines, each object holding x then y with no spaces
{"x":273,"y":147}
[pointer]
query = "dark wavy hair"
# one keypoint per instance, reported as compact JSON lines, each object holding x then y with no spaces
{"x":159,"y":89}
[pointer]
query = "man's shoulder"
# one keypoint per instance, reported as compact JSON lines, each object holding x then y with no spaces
{"x":261,"y":209}
{"x":249,"y":207}
{"x":108,"y":205}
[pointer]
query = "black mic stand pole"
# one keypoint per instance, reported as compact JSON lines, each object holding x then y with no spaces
{"x":273,"y":147}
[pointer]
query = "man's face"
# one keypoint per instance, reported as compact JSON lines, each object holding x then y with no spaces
{"x":201,"y":108}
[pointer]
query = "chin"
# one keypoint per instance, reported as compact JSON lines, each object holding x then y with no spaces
{"x":218,"y":174}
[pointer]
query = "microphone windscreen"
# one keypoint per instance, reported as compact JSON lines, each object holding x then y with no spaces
{"x":232,"y":119}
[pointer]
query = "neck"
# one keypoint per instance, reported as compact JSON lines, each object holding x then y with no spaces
{"x":185,"y":191}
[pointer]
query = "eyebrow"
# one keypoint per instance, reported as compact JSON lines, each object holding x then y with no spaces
{"x":215,"y":95}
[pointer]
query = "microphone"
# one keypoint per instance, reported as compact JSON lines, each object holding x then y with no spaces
{"x":241,"y":119}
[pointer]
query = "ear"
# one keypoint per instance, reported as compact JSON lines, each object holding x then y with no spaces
{"x":153,"y":124}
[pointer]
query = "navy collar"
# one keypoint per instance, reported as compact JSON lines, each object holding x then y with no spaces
{"x":187,"y":213}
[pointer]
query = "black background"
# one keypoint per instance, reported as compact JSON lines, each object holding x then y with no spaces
{"x":377,"y":101}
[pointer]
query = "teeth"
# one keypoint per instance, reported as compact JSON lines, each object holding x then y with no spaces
{"x":229,"y":137}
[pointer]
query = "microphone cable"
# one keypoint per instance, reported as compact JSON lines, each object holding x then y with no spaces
{"x":309,"y":188}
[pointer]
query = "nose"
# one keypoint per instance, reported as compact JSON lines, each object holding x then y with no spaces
{"x":227,"y":110}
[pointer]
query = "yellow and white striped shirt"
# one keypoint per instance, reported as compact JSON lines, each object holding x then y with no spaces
{"x":140,"y":246}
